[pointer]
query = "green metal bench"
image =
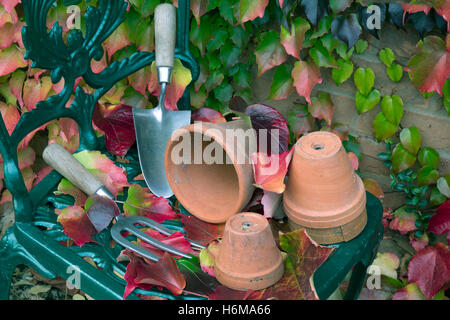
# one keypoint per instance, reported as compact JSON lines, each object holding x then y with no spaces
{"x":35,"y":238}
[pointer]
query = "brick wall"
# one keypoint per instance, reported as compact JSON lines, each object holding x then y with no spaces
{"x":428,"y":115}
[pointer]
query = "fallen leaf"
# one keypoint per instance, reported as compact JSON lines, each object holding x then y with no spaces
{"x":141,"y":202}
{"x":430,"y":269}
{"x":304,"y":256}
{"x":207,"y":115}
{"x":201,"y":231}
{"x":164,"y":273}
{"x":76,"y":225}
{"x":175,"y":240}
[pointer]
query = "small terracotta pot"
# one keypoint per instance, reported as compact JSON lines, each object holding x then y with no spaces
{"x":248,"y":257}
{"x":323,"y":193}
{"x":212,"y":191}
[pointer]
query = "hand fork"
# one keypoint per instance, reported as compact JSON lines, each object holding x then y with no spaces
{"x":69,"y":167}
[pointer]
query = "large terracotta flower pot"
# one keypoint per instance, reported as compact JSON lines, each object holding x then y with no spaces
{"x":323,"y":193}
{"x":212,"y":189}
{"x":248,"y":256}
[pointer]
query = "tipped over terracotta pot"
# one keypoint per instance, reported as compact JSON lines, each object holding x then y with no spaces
{"x":248,"y":257}
{"x":209,"y":168}
{"x":323,"y":193}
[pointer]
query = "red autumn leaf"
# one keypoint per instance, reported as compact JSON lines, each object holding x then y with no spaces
{"x":404,"y":221}
{"x":9,"y":5}
{"x":118,"y":125}
{"x":101,"y":211}
{"x":201,"y":231}
{"x":430,"y":68}
{"x":181,"y":78}
{"x":64,"y":132}
{"x":440,"y":221}
{"x":354,"y":160}
{"x":292,"y":41}
{"x":112,"y":176}
{"x":373,"y":187}
{"x":175,"y":240}
{"x":269,"y":53}
{"x":140,"y":80}
{"x":77,"y":225}
{"x":10,"y":116}
{"x":16,"y":85}
{"x":42,"y":174}
{"x":35,"y":91}
{"x":141,"y":202}
{"x":264,"y":117}
{"x":430,"y":269}
{"x":322,"y":107}
{"x":207,"y":115}
{"x":26,"y":157}
{"x":251,"y":9}
{"x":11,"y":59}
{"x":304,"y":256}
{"x":117,"y":40}
{"x":99,"y":66}
{"x":409,"y":292}
{"x":270,"y":171}
{"x":419,"y":243}
{"x":306,"y":75}
{"x":198,"y":8}
{"x":164,"y":273}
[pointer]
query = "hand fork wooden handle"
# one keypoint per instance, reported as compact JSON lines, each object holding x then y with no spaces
{"x":70,"y":168}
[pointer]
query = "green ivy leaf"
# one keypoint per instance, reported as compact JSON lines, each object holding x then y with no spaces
{"x":427,"y":175}
{"x":383,"y":128}
{"x":270,"y":53}
{"x":239,"y":35}
{"x":282,"y":84}
{"x":322,"y":107}
{"x":339,"y":5}
{"x":201,"y":35}
{"x":321,"y":56}
{"x":443,"y":184}
{"x":364,"y":80}
{"x":329,"y":42}
{"x":341,"y":50}
{"x":411,"y":139}
{"x":361,"y":46}
{"x":395,"y":72}
{"x":242,"y":77}
{"x":343,"y":72}
{"x":251,"y":9}
{"x":387,"y":56}
{"x":229,"y":54}
{"x":436,"y":197}
{"x":429,"y":157}
{"x":220,"y":36}
{"x":392,"y":108}
{"x":366,"y":103}
{"x":215,"y":79}
{"x":224,"y":92}
{"x":402,"y":159}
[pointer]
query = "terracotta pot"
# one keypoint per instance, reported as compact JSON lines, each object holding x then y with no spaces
{"x":248,"y":257}
{"x":323,"y":193}
{"x":212,"y":189}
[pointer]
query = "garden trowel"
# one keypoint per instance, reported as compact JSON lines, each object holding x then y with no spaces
{"x":154,"y":127}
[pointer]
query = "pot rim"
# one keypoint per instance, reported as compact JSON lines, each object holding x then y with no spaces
{"x":328,"y":218}
{"x":242,"y":198}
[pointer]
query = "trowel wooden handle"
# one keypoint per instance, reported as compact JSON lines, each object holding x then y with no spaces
{"x":165,"y":34}
{"x":62,"y":161}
